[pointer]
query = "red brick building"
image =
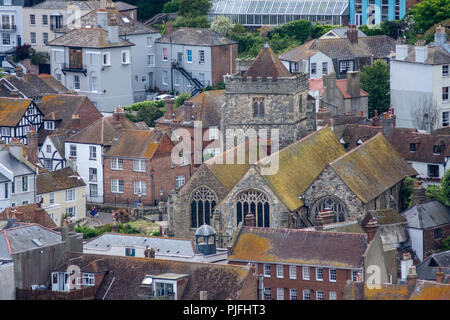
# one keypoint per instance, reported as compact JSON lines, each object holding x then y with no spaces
{"x":300,"y":264}
{"x":138,"y":167}
{"x":205,"y":108}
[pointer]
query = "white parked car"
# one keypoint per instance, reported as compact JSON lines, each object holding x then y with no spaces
{"x":164,"y":97}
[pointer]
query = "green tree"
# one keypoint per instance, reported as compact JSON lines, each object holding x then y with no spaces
{"x":147,"y":9}
{"x":222,"y":25}
{"x":375,"y":81}
{"x":238,"y":29}
{"x":445,"y":188}
{"x":171,"y":6}
{"x":445,"y":246}
{"x":429,"y":12}
{"x":299,"y":30}
{"x":406,"y":192}
{"x":195,"y":22}
{"x":147,"y":113}
{"x":193,"y":8}
{"x":320,"y":29}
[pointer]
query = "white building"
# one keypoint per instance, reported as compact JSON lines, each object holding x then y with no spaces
{"x":420,"y":82}
{"x":142,"y":55}
{"x":11,"y":25}
{"x":313,"y":62}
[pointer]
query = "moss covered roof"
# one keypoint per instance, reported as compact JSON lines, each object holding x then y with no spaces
{"x":301,"y":162}
{"x":372,"y":168}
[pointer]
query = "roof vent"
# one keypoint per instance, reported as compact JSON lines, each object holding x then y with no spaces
{"x":37,"y":242}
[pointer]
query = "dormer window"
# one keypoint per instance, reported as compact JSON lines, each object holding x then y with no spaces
{"x":359,"y":142}
{"x":437,"y":149}
{"x":49,"y":125}
{"x":412,"y":147}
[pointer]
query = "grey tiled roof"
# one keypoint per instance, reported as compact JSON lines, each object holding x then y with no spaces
{"x":427,"y":269}
{"x":427,"y":215}
{"x":20,"y":239}
{"x":342,"y":32}
{"x":126,"y":25}
{"x":3,"y":178}
{"x":17,"y":167}
{"x":83,"y":5}
{"x":162,"y":246}
{"x":88,"y":38}
{"x":195,"y":36}
{"x":436,"y":55}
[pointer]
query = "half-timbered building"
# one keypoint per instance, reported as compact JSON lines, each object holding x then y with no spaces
{"x":17,"y":117}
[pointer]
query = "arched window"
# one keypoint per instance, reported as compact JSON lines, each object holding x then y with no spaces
{"x":258,"y":107}
{"x":330,"y":203}
{"x":255,"y":202}
{"x":203,"y":201}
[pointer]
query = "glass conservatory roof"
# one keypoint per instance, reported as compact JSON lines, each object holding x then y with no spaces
{"x":280,"y":7}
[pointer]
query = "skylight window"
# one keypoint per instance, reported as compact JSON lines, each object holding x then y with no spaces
{"x":37,"y":242}
{"x":147,"y":280}
{"x":125,"y":19}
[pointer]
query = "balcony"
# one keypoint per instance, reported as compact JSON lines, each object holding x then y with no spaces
{"x":8,"y":27}
{"x":66,"y":67}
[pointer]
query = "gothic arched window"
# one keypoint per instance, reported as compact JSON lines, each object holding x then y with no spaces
{"x":330,"y":203}
{"x":255,"y":202}
{"x":258,"y":107}
{"x":203,"y":201}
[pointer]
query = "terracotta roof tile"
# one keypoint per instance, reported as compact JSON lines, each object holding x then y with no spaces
{"x":57,"y":180}
{"x":267,"y":64}
{"x":31,"y":213}
{"x":12,"y":110}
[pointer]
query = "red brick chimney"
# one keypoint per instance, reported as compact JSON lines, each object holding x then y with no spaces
{"x":352,"y":33}
{"x":419,"y":194}
{"x":326,"y":216}
{"x":169,"y":109}
{"x":318,"y":223}
{"x":440,"y":275}
{"x":188,"y":111}
{"x":32,"y":145}
{"x":411,"y":279}
{"x":249,"y":220}
{"x":76,"y":122}
{"x":119,"y":116}
{"x":371,"y":229}
{"x":169,"y":28}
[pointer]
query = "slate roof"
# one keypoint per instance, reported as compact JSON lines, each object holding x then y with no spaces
{"x":102,"y":131}
{"x":141,"y":144}
{"x":17,"y":167}
{"x":342,"y":49}
{"x":57,"y":180}
{"x":387,"y":216}
{"x":20,"y":239}
{"x":29,"y":84}
{"x":322,"y":248}
{"x":83,"y":5}
{"x":60,"y":107}
{"x":427,"y":215}
{"x":427,"y":269}
{"x":31,"y":213}
{"x":125,"y":275}
{"x":297,"y":54}
{"x":266,"y":64}
{"x":354,"y":132}
{"x":372,"y":168}
{"x":401,"y":138}
{"x":163,"y":246}
{"x":126,"y":25}
{"x":300,"y":164}
{"x":12,"y":110}
{"x":195,"y":37}
{"x":88,"y":38}
{"x":58,"y":142}
{"x":53,"y":83}
{"x":342,"y":32}
{"x":436,"y":55}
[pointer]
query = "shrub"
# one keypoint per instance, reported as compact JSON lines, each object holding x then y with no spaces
{"x":178,"y":101}
{"x":22,"y":52}
{"x":170,"y":7}
{"x":196,"y":22}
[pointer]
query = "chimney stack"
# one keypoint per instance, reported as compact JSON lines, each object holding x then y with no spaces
{"x":419,"y":194}
{"x":353,"y":83}
{"x":188,"y":106}
{"x":118,"y":116}
{"x":421,"y":51}
{"x":329,"y":80}
{"x":371,"y":229}
{"x":326,"y":216}
{"x":440,"y":37}
{"x":249,"y":220}
{"x":318,"y":223}
{"x":411,"y":279}
{"x":32,"y":146}
{"x":169,"y":28}
{"x":76,"y":122}
{"x":102,"y":17}
{"x":440,"y":275}
{"x":113,"y":30}
{"x":405,"y":264}
{"x":352,"y":33}
{"x":169,"y":109}
{"x":401,"y":49}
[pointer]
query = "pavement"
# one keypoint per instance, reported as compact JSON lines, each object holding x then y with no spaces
{"x":101,"y":219}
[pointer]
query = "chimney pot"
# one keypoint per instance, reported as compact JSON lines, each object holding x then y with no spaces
{"x":169,"y":109}
{"x":249,"y":220}
{"x":419,"y":194}
{"x":188,"y":106}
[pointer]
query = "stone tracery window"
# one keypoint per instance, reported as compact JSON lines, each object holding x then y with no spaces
{"x":332,"y":204}
{"x":258,"y":107}
{"x":255,"y":202}
{"x":203,"y":201}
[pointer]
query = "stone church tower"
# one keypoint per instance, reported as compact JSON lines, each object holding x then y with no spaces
{"x":268,"y":97}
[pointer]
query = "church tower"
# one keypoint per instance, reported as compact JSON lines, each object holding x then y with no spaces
{"x":268,"y":97}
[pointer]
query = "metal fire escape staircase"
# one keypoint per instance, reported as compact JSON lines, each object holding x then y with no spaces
{"x":196,"y":84}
